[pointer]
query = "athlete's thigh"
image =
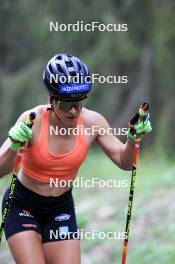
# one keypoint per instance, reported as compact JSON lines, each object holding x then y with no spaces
{"x":26,"y":247}
{"x":62,"y":252}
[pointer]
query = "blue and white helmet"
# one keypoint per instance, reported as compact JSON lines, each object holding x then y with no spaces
{"x":67,"y":77}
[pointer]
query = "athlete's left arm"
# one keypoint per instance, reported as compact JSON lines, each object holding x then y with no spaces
{"x":121,"y":154}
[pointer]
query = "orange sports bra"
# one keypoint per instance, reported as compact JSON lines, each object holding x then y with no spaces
{"x":41,"y":165}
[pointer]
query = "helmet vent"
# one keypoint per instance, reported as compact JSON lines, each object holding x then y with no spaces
{"x":50,"y":68}
{"x":73,"y":73}
{"x":69,"y":64}
{"x":79,"y":66}
{"x":59,"y":57}
{"x":60,"y":68}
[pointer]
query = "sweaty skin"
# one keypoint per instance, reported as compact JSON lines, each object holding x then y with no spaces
{"x":121,"y":154}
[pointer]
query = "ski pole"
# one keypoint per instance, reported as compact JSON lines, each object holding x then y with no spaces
{"x":29,"y":123}
{"x":144,"y":107}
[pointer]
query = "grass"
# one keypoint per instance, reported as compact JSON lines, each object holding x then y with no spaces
{"x":152,"y":228}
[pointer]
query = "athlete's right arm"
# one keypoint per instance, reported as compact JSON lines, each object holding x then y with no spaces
{"x":8,"y":150}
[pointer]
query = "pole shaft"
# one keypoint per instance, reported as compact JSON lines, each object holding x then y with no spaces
{"x":130,"y":202}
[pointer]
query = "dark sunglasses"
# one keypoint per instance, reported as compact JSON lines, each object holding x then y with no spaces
{"x":66,"y":106}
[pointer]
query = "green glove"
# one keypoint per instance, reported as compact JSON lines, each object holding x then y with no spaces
{"x":19,"y":135}
{"x":141,"y":127}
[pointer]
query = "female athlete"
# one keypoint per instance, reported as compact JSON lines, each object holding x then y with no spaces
{"x":39,"y":210}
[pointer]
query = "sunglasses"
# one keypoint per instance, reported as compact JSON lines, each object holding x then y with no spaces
{"x":66,"y":106}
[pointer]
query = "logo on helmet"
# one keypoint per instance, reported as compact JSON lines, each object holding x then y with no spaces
{"x":73,"y":88}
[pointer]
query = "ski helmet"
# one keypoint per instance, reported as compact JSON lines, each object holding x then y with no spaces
{"x":67,"y":77}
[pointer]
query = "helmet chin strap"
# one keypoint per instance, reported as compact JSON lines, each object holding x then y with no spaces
{"x":51,"y":108}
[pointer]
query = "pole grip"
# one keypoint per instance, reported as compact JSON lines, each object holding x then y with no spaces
{"x":142,"y":113}
{"x":30,"y":119}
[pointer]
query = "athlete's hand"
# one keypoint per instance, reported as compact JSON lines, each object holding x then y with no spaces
{"x":20,"y":134}
{"x":139,"y":125}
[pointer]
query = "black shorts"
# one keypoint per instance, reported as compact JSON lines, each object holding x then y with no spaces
{"x":52,"y":217}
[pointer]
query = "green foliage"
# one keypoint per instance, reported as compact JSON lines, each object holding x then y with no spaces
{"x":152,"y":228}
{"x":26,"y":45}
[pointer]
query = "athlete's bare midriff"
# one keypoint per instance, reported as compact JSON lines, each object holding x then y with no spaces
{"x":46,"y":189}
{"x":41,"y":188}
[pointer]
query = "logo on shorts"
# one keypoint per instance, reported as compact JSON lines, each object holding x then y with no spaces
{"x":63,"y":230}
{"x":62,"y":217}
{"x":26,"y":213}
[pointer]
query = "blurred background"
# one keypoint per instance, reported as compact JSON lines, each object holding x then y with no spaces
{"x":145,"y":53}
